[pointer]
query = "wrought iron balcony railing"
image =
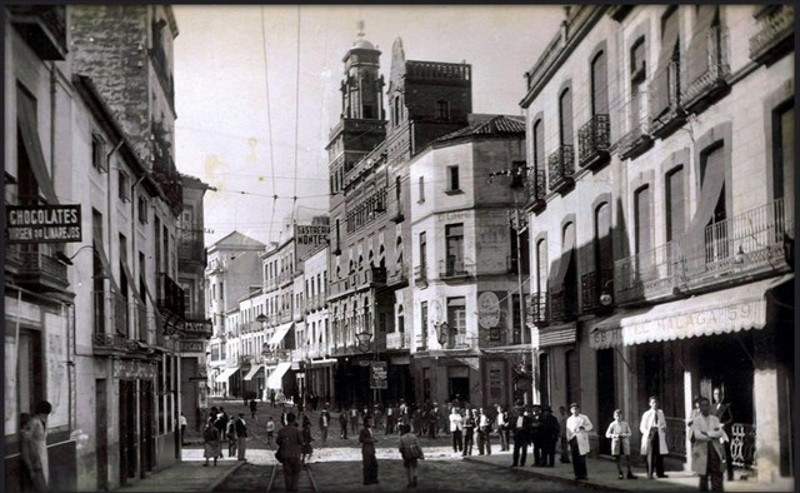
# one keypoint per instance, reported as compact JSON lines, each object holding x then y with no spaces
{"x":702,"y":90}
{"x":536,"y":189}
{"x":637,"y":140}
{"x":666,"y":113}
{"x":399,"y":276}
{"x":593,"y":285}
{"x":563,"y":303}
{"x":594,"y":139}
{"x":39,"y":267}
{"x":538,"y":309}
{"x":171,"y":296}
{"x":775,"y":36}
{"x":561,"y":166}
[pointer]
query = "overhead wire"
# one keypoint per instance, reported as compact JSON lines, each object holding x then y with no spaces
{"x":296,"y":114}
{"x":269,"y":120}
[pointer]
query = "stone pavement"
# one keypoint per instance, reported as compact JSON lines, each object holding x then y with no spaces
{"x":603,"y":476}
{"x":186,"y":476}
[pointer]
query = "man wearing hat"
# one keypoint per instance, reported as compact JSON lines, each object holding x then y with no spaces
{"x":536,"y":435}
{"x":521,"y":426}
{"x":550,"y":431}
{"x":578,"y":428}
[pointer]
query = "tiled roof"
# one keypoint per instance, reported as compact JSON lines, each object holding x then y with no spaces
{"x":497,"y":125}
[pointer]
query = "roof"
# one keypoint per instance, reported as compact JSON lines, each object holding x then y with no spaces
{"x":488,"y":125}
{"x":235,"y":239}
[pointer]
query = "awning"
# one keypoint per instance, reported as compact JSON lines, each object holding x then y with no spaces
{"x":279,"y":334}
{"x":323,"y":362}
{"x":512,"y":349}
{"x":274,"y":380}
{"x":730,"y":310}
{"x":26,"y":123}
{"x":557,"y":335}
{"x":253,"y":370}
{"x":226,"y":374}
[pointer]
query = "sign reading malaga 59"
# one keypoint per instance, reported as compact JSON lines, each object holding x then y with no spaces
{"x":43,"y":223}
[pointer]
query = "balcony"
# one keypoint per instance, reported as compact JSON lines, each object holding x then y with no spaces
{"x":459,"y":341}
{"x":538,"y":309}
{"x":399,"y":276}
{"x":708,"y":86}
{"x":593,"y":285}
{"x":775,"y":36}
{"x":39,"y":269}
{"x":536,"y":190}
{"x":561,"y":167}
{"x":170,"y":296}
{"x":454,"y":268}
{"x":637,"y":140}
{"x":112,"y":345}
{"x":594,"y":141}
{"x":43,"y":27}
{"x":421,"y":341}
{"x":749,"y":245}
{"x":398,"y":340}
{"x":396,"y":211}
{"x":666,"y":114}
{"x":421,"y":275}
{"x":563,"y":303}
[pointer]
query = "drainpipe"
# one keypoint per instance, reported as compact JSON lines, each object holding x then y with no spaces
{"x":133,"y":240}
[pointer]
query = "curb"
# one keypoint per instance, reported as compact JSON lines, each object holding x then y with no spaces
{"x":219,"y":480}
{"x":537,"y":474}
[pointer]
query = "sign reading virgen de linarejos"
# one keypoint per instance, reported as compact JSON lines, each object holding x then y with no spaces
{"x":43,"y":223}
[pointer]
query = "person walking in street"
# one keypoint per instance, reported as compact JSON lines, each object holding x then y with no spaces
{"x":411,"y":452}
{"x":654,"y":443}
{"x":33,"y":447}
{"x":353,"y":418}
{"x":456,"y":428}
{"x":241,"y":437}
{"x":290,"y":443}
{"x":503,"y":428}
{"x":343,"y":424}
{"x":324,"y":422}
{"x":270,"y":431}
{"x":619,"y":432}
{"x":522,"y":425}
{"x":469,"y":430}
{"x":369,"y":460}
{"x":722,"y":410}
{"x":306,"y":450}
{"x":183,"y":423}
{"x":550,"y":432}
{"x":272,"y":398}
{"x":391,"y":418}
{"x":578,"y":426}
{"x":230,"y":434}
{"x":706,"y":434}
{"x":253,"y":408}
{"x":536,"y":435}
{"x":211,"y":442}
{"x":562,"y":421}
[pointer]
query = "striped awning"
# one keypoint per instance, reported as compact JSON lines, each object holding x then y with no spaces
{"x":275,"y":379}
{"x":557,"y":335}
{"x":252,"y":373}
{"x":226,"y":374}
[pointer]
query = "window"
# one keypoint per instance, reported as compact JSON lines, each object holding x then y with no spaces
{"x":124,"y":191}
{"x":452,"y":179}
{"x":599,"y":85}
{"x":98,"y":284}
{"x":143,"y":210}
{"x":643,"y":233}
{"x":604,"y":260}
{"x":541,"y":262}
{"x":443,"y":110}
{"x":454,"y":237}
{"x":457,"y":315}
{"x":638,"y":60}
{"x":397,"y":192}
{"x":538,"y":145}
{"x":423,"y":251}
{"x":675,"y":208}
{"x":666,"y":74}
{"x":421,"y":189}
{"x":783,"y":154}
{"x":516,"y":321}
{"x":98,"y":154}
{"x":423,"y":314}
{"x":565,"y":117}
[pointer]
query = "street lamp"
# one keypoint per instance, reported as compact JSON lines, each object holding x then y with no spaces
{"x":606,"y":297}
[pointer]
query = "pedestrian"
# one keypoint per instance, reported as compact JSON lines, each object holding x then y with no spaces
{"x":183,"y":425}
{"x":433,"y":421}
{"x":484,"y":433}
{"x":253,"y":407}
{"x":230,"y":434}
{"x":33,"y":447}
{"x":272,"y":398}
{"x":411,"y":452}
{"x":707,"y":451}
{"x":353,"y":418}
{"x":284,"y":417}
{"x":390,"y":419}
{"x":369,"y":460}
{"x":306,"y":450}
{"x":403,"y":413}
{"x":503,"y":428}
{"x":444,"y":420}
{"x":476,"y":433}
{"x":562,"y":421}
{"x":578,"y":426}
{"x":324,"y":422}
{"x":722,"y":410}
{"x":290,"y":443}
{"x":270,"y":431}
{"x":456,"y":427}
{"x":378,"y":418}
{"x":211,"y":442}
{"x":619,"y":432}
{"x":241,"y":437}
{"x":222,"y":424}
{"x":654,"y":443}
{"x":522,"y":425}
{"x":469,"y":430}
{"x":536,"y":435}
{"x":418,"y":421}
{"x":550,"y":431}
{"x":343,"y":424}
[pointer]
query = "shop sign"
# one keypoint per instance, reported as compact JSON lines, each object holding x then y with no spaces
{"x":192,"y":347}
{"x":127,"y":369}
{"x":43,"y":223}
{"x":378,"y":375}
{"x":311,"y":235}
{"x":488,"y":309}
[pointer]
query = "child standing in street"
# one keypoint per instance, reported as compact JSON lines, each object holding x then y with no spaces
{"x":620,"y":432}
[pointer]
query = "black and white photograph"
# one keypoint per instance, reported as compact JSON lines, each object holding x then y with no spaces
{"x":457,"y":248}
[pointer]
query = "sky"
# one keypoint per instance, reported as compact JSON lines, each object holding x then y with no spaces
{"x":247,"y":122}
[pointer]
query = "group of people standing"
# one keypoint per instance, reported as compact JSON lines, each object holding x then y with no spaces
{"x":218,"y":425}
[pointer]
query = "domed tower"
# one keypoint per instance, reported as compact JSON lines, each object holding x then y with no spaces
{"x":362,"y":88}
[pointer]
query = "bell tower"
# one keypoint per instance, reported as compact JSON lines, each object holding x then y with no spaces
{"x":362,"y":87}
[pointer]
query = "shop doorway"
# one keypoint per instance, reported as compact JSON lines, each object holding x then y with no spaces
{"x":606,"y":395}
{"x":101,"y":432}
{"x":127,"y":430}
{"x":459,"y":386}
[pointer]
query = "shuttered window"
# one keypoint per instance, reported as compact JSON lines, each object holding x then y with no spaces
{"x":675,"y":203}
{"x":565,"y":114}
{"x":697,"y":53}
{"x":661,"y":80}
{"x":642,"y":213}
{"x":599,"y":84}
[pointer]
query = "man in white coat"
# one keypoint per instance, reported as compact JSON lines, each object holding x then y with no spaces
{"x":654,"y":443}
{"x":707,"y":451}
{"x":578,"y":426}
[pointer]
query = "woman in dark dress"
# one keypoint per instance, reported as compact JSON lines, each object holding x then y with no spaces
{"x":370,"y":462}
{"x":306,"y":448}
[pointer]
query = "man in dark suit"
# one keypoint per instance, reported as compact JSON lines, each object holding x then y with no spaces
{"x":521,"y":425}
{"x":290,"y":442}
{"x":722,"y":410}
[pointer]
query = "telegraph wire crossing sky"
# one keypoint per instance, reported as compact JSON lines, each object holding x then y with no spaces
{"x":253,"y":126}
